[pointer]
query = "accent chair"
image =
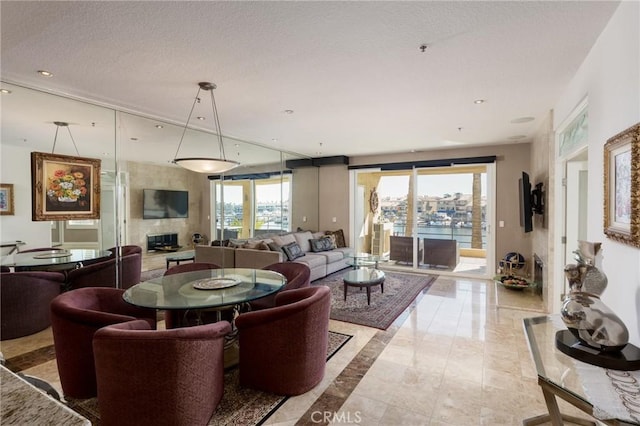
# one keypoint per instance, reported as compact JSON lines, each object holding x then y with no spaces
{"x":75,"y":316}
{"x":298,"y":275}
{"x":25,"y":301}
{"x":165,"y":377}
{"x":283,"y":350}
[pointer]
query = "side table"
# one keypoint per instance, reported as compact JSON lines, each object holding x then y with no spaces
{"x":185,"y":256}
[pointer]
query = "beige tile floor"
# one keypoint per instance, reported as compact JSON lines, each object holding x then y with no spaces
{"x":456,"y":359}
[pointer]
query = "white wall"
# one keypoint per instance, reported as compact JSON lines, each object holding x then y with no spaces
{"x":610,"y":77}
{"x":15,"y":168}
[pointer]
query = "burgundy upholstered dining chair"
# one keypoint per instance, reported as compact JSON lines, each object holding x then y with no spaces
{"x":283,"y":350}
{"x":174,"y":317}
{"x":164,"y":377}
{"x":75,"y":316}
{"x":298,"y":275}
{"x":125,"y":250}
{"x":25,"y":301}
{"x":103,"y":273}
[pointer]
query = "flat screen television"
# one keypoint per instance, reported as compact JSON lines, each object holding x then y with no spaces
{"x":526,"y":209}
{"x":165,"y":204}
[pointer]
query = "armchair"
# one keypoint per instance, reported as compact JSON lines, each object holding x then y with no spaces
{"x":125,"y":270}
{"x":25,"y":301}
{"x":290,"y":338}
{"x":298,"y":275}
{"x":75,"y":316}
{"x":401,"y":249}
{"x":168,"y":377}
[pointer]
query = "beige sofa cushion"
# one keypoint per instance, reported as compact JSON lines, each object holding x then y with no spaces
{"x":283,"y":240}
{"x":302,"y":238}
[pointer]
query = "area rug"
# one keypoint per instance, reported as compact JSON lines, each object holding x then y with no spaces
{"x":239,"y":406}
{"x":152,"y":273}
{"x":400,"y":290}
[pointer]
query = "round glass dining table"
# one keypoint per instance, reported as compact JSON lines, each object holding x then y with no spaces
{"x":211,"y":288}
{"x":52,"y":260}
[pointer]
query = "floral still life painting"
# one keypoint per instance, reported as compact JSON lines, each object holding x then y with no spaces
{"x":65,"y":187}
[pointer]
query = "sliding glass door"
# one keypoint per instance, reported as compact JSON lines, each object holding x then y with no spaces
{"x":435,"y":219}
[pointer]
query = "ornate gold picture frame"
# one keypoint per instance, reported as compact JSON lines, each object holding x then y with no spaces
{"x":622,"y":187}
{"x":64,"y":187}
{"x":6,"y":199}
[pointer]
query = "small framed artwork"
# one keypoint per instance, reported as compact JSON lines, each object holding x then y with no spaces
{"x":64,"y":187}
{"x":6,"y":199}
{"x":622,"y":187}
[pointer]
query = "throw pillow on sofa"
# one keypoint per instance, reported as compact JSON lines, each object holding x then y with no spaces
{"x":322,"y":244}
{"x":293,"y":251}
{"x":340,"y":241}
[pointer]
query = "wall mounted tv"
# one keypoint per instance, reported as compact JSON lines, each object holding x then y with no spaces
{"x":531,"y":201}
{"x":165,"y":204}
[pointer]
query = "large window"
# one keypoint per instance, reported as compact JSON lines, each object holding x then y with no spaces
{"x":252,"y":207}
{"x":427,"y":218}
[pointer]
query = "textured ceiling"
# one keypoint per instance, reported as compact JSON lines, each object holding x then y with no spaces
{"x":352,"y":72}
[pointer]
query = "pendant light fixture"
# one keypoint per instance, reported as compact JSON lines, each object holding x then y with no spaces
{"x":206,"y":164}
{"x":55,"y":138}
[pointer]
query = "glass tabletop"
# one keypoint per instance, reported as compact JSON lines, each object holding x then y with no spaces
{"x":209,"y":288}
{"x":573,"y":377}
{"x":52,"y":258}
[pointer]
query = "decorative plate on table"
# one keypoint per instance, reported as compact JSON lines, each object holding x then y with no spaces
{"x":216,"y":283}
{"x":58,"y":253}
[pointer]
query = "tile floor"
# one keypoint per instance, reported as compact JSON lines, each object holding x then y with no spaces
{"x":453,"y":358}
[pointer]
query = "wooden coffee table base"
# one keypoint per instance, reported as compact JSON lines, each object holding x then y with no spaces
{"x":364,"y":277}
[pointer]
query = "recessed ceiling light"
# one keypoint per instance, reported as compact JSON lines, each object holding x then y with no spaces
{"x":288,"y":111}
{"x":274,"y":140}
{"x":159,"y":126}
{"x":522,"y":120}
{"x":201,"y":118}
{"x":45,"y":73}
{"x":517,"y":137}
{"x":479,"y":101}
{"x":5,"y":91}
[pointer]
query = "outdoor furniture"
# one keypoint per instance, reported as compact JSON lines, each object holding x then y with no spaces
{"x":401,"y":249}
{"x":165,"y":377}
{"x":25,"y":301}
{"x":297,"y":275}
{"x":75,"y":316}
{"x":441,"y":252}
{"x":283,"y":350}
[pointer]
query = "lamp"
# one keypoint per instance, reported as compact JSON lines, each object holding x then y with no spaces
{"x":205,"y":164}
{"x":55,"y":138}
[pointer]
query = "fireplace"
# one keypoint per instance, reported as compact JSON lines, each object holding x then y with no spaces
{"x":538,"y":274}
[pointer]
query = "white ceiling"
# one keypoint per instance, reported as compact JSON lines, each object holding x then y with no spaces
{"x":352,"y":72}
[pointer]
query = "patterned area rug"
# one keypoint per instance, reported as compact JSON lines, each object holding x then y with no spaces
{"x":400,"y":290}
{"x":152,"y":273}
{"x":239,"y":406}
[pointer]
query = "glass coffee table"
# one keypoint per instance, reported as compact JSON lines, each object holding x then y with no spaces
{"x":184,"y":256}
{"x":364,"y":277}
{"x":356,"y":260}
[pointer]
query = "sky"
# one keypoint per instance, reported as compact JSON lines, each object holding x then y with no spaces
{"x":433,"y":185}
